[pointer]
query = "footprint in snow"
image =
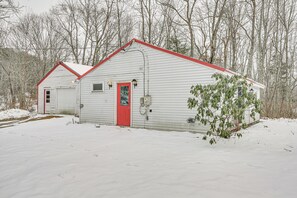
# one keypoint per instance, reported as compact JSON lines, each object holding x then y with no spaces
{"x":288,"y":150}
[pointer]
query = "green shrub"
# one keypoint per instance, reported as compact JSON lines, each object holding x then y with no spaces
{"x":222,"y":105}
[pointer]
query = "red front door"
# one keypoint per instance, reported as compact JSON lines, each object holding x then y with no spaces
{"x":123,"y":104}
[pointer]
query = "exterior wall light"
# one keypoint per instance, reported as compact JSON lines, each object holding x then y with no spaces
{"x":109,"y":83}
{"x":134,"y":82}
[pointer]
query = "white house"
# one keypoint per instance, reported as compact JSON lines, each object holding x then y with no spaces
{"x":57,"y":92}
{"x":145,"y":86}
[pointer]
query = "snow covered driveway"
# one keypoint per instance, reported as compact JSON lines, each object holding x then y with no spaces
{"x":53,"y":158}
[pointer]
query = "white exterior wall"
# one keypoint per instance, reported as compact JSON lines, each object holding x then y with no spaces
{"x":170,"y":80}
{"x":59,"y":78}
{"x":100,"y":107}
{"x":247,"y":118}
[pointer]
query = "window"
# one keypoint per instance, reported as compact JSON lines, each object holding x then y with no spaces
{"x":124,"y":95}
{"x":239,"y":91}
{"x":47,"y":96}
{"x":239,"y":95}
{"x":98,"y":87}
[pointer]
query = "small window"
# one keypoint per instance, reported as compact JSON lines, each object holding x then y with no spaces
{"x":239,"y":91}
{"x":239,"y":95}
{"x":98,"y":87}
{"x":47,"y":96}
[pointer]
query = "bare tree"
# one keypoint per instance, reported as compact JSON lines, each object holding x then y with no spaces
{"x":86,"y":27}
{"x":185,"y":12}
{"x":217,"y":15}
{"x":7,"y":9}
{"x":257,"y":38}
{"x":252,"y":36}
{"x":34,"y":34}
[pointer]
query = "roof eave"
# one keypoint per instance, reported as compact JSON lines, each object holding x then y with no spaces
{"x":56,"y":65}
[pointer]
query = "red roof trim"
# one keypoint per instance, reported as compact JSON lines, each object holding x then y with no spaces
{"x":58,"y":63}
{"x":181,"y":55}
{"x":168,"y":52}
{"x":157,"y":48}
{"x":249,"y":79}
{"x":37,"y":97}
{"x":69,"y":69}
{"x":106,"y":59}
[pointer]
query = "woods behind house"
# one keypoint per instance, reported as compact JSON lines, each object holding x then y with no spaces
{"x":257,"y":38}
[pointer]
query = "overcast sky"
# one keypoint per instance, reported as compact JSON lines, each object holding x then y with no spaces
{"x":37,"y":6}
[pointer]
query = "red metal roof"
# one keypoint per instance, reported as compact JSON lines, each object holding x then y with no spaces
{"x":157,"y":48}
{"x":53,"y":69}
{"x":216,"y":67}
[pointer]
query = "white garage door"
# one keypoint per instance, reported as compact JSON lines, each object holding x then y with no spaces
{"x":66,"y":98}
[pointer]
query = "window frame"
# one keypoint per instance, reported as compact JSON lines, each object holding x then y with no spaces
{"x":239,"y":95}
{"x":128,"y":96}
{"x":47,"y":96}
{"x":239,"y":92}
{"x":95,"y":83}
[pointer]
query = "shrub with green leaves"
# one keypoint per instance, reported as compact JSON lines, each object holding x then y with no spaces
{"x":222,"y":105}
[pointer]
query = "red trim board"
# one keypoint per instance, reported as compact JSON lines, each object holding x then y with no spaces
{"x":106,"y":59}
{"x":216,"y":67}
{"x":53,"y":69}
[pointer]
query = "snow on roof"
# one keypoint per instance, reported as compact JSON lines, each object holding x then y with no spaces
{"x":78,"y":68}
{"x":74,"y":68}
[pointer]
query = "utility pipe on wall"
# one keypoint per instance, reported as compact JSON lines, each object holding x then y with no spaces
{"x":145,"y":67}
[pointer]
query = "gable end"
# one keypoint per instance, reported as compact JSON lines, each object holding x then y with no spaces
{"x":53,"y":69}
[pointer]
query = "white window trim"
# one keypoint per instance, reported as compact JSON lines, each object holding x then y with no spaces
{"x":96,"y":91}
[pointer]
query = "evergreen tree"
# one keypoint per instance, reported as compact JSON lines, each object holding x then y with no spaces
{"x":177,"y":46}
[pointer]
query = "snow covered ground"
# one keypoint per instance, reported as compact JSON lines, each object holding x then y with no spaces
{"x":13,"y":114}
{"x":55,"y":158}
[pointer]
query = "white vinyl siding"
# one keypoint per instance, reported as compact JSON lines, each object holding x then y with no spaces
{"x":97,"y":87}
{"x":248,"y":119}
{"x":168,"y":77}
{"x":59,"y":78}
{"x":100,"y":107}
{"x":66,"y":100}
{"x":170,"y":80}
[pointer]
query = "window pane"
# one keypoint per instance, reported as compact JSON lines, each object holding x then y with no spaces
{"x":98,"y":87}
{"x":239,"y":96}
{"x":47,"y":96}
{"x":239,"y":91}
{"x":124,"y":95}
